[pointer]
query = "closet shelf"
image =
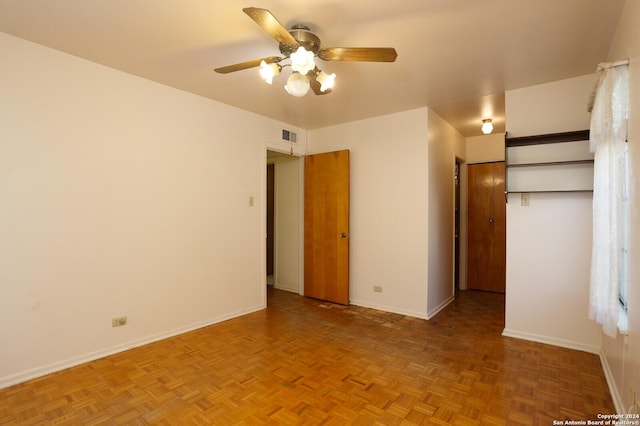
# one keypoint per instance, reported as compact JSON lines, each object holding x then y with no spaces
{"x":579,"y":135}
{"x":552,"y":163}
{"x":546,"y":191}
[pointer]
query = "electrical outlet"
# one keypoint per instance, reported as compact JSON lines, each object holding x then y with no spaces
{"x":377,"y":288}
{"x":119,"y":322}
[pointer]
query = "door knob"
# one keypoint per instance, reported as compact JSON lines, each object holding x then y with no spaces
{"x":344,"y":235}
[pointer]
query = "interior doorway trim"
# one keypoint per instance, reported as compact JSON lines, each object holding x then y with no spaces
{"x":263,"y":206}
{"x":462,"y":225}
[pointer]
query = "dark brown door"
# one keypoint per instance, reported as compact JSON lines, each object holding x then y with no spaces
{"x":487,"y":227}
{"x":326,"y":226}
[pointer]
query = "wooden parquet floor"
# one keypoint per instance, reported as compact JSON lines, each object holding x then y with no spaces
{"x":303,"y":361}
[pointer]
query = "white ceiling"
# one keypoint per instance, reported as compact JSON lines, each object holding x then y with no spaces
{"x":456,"y":56}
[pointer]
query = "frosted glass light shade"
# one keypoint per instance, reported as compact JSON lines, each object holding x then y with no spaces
{"x":297,"y":84}
{"x":302,"y":61}
{"x":326,"y":81}
{"x":487,"y":127}
{"x":268,"y":71}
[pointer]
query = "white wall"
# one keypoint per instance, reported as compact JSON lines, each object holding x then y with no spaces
{"x":118,"y":197}
{"x":388,"y":223}
{"x":622,"y":355}
{"x":402,"y":208}
{"x":560,"y":106}
{"x":445,"y":144}
{"x":485,"y":148}
{"x":549,"y":242}
{"x":288,"y":224}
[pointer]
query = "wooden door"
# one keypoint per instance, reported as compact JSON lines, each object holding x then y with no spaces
{"x":486,"y":204}
{"x":326,"y":226}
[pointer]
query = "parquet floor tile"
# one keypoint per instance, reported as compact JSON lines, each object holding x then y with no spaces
{"x":306,"y":362}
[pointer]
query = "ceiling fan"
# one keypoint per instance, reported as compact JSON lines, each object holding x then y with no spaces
{"x":301,"y":46}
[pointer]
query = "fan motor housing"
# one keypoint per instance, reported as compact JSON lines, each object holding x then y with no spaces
{"x":304,"y":37}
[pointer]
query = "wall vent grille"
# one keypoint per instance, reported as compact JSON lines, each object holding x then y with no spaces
{"x":289,"y":136}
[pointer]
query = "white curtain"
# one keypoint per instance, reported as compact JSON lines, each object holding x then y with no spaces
{"x":607,"y":140}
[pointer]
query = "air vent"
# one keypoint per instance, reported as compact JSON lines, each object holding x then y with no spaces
{"x":289,"y":136}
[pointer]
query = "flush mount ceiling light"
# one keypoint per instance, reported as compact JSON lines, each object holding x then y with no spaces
{"x":301,"y":47}
{"x":487,"y":127}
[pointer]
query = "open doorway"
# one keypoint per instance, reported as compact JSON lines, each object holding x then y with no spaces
{"x":271,"y":170}
{"x":457,"y":229}
{"x":284,"y":244}
{"x":460,"y":231}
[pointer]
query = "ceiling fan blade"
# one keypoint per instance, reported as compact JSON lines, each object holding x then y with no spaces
{"x":248,"y":64}
{"x":363,"y":54}
{"x":266,"y":20}
{"x":315,"y":84}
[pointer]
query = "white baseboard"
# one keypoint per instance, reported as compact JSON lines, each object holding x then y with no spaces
{"x":290,"y":289}
{"x":391,"y":309}
{"x":563,"y":343}
{"x":395,"y":310}
{"x":440,"y":307}
{"x":43,"y":370}
{"x":613,"y":389}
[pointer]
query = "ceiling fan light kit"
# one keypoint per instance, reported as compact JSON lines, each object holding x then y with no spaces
{"x":301,"y":47}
